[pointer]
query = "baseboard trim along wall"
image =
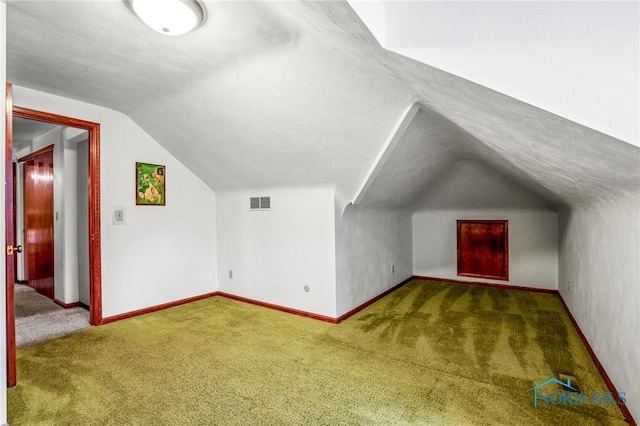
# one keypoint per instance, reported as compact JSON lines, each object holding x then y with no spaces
{"x":278,"y":307}
{"x":253,"y":302}
{"x":66,"y":305}
{"x":612,"y":388}
{"x":156,"y":308}
{"x":483,"y":284}
{"x":375,"y":299}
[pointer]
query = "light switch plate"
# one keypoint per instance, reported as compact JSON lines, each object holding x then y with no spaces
{"x":119,"y":216}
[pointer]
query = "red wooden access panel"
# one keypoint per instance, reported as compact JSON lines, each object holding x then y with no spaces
{"x":483,"y":249}
{"x":38,"y":221}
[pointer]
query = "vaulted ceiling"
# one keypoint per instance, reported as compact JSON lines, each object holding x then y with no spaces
{"x":568,"y":57}
{"x":301,"y":93}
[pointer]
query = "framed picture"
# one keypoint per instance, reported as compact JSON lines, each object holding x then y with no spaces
{"x":150,"y":184}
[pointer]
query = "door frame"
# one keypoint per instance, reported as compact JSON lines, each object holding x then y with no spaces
{"x":95,"y":257}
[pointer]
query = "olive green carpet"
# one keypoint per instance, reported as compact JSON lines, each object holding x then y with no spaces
{"x":429,"y":353}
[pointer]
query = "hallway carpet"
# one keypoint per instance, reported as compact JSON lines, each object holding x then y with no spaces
{"x":428,"y":353}
{"x":39,"y":319}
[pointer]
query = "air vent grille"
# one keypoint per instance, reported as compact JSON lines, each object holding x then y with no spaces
{"x":260,"y":203}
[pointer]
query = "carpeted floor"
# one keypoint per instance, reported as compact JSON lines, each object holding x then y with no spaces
{"x":428,"y":353}
{"x":39,"y":319}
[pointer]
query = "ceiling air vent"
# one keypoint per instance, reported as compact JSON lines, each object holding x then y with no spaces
{"x":260,"y":203}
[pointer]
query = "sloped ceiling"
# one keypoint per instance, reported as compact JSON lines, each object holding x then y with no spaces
{"x":256,"y":97}
{"x":300,"y":93}
{"x":469,"y":183}
{"x":427,"y":150}
{"x":566,"y":57}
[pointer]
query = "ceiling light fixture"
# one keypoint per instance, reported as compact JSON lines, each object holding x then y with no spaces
{"x":170,"y":17}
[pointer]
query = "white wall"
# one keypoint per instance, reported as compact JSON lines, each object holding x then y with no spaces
{"x":19,"y":202}
{"x":69,"y":213}
{"x":369,"y":242}
{"x":274,"y":253}
{"x":161,"y":254}
{"x":19,"y":223}
{"x":533,"y":245}
{"x":600,"y":281}
{"x":3,"y":316}
{"x":82,"y":200}
{"x":60,"y":214}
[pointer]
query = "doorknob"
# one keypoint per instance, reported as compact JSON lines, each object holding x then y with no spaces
{"x":18,"y":249}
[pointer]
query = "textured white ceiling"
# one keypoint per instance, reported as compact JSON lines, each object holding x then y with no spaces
{"x":562,"y":171}
{"x":300,"y":93}
{"x":469,"y":183}
{"x":27,"y":130}
{"x":576,"y":59}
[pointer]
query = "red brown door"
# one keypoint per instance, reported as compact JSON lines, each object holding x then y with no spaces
{"x":9,"y":236}
{"x":483,"y":249}
{"x":38,"y":221}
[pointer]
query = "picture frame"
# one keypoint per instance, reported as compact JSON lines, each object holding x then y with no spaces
{"x":150,"y":184}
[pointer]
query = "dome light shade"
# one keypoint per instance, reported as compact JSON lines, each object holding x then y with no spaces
{"x":169,"y":17}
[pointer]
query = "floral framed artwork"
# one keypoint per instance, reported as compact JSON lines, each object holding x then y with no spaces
{"x":150,"y":184}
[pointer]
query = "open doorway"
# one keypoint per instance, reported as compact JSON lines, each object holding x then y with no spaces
{"x":51,"y":295}
{"x":92,"y":131}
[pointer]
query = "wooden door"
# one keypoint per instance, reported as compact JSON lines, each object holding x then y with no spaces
{"x":38,"y":221}
{"x":10,"y":240}
{"x":483,"y":249}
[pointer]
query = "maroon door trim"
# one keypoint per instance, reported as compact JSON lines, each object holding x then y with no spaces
{"x":95,"y":273}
